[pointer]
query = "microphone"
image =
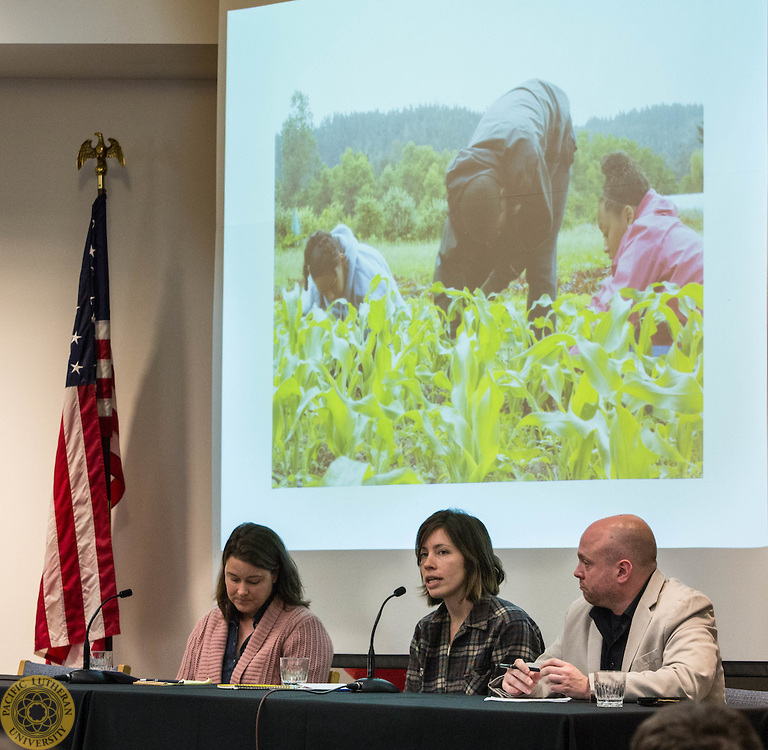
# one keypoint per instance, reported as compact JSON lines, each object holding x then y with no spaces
{"x":371,"y":684}
{"x":87,"y":645}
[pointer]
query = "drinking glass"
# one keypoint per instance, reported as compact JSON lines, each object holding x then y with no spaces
{"x":609,"y":689}
{"x":101,"y":660}
{"x":294,"y":670}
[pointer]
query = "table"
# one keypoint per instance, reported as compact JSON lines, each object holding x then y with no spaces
{"x":405,"y":721}
{"x":127,"y":717}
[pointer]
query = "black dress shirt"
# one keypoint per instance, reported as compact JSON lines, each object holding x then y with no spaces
{"x":615,"y":631}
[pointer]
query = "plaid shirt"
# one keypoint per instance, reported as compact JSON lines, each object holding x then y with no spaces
{"x":495,"y":631}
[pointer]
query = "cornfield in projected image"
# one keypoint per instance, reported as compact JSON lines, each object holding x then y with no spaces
{"x":387,"y":396}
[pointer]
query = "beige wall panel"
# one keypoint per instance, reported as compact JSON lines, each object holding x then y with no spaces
{"x":108,"y":22}
{"x":161,"y":229}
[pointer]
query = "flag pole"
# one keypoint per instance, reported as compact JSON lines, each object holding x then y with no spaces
{"x":100,"y":152}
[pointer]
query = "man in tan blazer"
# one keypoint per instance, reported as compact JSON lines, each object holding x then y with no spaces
{"x":632,"y":619}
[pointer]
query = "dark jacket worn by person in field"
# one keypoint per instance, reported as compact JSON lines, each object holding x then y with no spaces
{"x":524,"y":144}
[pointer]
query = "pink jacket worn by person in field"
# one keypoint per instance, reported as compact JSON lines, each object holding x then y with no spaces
{"x":656,"y":247}
{"x":282,"y":631}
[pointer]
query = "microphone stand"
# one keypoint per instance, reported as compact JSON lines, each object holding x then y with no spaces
{"x":86,"y":674}
{"x":371,"y":684}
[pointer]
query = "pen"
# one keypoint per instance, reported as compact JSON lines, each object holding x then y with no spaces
{"x":157,"y":681}
{"x":531,"y":667}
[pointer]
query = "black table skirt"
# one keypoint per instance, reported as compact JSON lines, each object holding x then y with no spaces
{"x":409,"y":721}
{"x":127,"y":717}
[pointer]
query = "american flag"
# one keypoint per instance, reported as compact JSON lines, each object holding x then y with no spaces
{"x":79,"y":570}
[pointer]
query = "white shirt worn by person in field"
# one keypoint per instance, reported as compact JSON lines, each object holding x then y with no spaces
{"x":365,"y":263}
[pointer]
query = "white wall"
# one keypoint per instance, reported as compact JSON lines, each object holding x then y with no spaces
{"x":347,"y":588}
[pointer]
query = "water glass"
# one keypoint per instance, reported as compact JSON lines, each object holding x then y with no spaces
{"x":294,"y":670}
{"x":101,"y":660}
{"x":609,"y":689}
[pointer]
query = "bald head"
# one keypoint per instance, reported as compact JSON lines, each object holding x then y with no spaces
{"x":625,"y":537}
{"x":617,"y":556}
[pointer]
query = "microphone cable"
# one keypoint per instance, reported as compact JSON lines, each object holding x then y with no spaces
{"x":314,"y":691}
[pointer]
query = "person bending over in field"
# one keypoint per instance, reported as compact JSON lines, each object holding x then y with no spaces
{"x":506,"y":197}
{"x":339,"y":266}
{"x":643,"y":237}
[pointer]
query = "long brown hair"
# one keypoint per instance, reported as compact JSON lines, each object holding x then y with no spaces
{"x":261,"y":547}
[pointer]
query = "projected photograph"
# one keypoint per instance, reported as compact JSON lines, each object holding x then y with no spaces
{"x":485,"y":295}
{"x":463,"y":266}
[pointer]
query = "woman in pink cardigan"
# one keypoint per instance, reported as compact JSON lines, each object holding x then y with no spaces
{"x":261,"y":616}
{"x":643,"y":237}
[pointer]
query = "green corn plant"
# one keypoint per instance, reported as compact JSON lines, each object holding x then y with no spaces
{"x":387,"y":395}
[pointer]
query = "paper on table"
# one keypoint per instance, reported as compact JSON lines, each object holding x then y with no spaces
{"x":527,"y":700}
{"x":322,"y":686}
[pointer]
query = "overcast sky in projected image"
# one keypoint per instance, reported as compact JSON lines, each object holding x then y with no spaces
{"x":361,"y":55}
{"x":390,"y":54}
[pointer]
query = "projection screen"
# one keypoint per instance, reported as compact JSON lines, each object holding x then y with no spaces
{"x":365,"y":56}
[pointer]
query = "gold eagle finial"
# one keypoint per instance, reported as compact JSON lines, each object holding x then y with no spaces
{"x":101,"y":152}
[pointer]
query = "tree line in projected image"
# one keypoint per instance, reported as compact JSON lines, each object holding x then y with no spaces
{"x":387,"y":396}
{"x":383,"y":174}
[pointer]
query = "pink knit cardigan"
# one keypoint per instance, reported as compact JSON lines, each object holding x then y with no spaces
{"x":282,"y":631}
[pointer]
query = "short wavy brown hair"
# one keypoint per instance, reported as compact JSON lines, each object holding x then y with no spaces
{"x":322,"y":254}
{"x":485,"y":572}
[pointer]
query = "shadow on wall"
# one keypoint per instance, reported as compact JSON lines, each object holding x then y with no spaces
{"x":149,"y":535}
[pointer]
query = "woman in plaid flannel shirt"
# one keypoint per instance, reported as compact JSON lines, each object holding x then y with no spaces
{"x":459,"y":647}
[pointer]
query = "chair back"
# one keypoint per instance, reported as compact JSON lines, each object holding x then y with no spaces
{"x":746,"y":698}
{"x":27,"y":667}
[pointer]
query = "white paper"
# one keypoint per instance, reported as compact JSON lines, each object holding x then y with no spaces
{"x":527,"y":700}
